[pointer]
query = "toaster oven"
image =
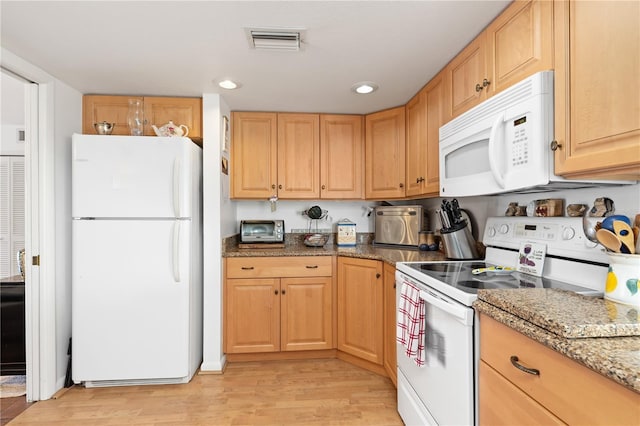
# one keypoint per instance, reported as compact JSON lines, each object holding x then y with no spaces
{"x":262,"y":231}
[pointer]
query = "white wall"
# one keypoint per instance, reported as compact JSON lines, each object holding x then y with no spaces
{"x":625,"y":197}
{"x":219,"y":215}
{"x":291,"y":212}
{"x":67,"y":121}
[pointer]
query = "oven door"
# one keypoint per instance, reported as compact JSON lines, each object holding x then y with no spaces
{"x":442,"y":391}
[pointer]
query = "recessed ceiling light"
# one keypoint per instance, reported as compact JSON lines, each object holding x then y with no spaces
{"x":228,"y":84}
{"x":364,"y":87}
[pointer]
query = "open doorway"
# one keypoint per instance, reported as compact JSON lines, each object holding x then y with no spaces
{"x":13,"y":369}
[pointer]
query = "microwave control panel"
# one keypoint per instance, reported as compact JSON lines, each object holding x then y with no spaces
{"x":519,"y":141}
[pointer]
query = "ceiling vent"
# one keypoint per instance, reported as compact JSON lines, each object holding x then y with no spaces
{"x":275,"y":38}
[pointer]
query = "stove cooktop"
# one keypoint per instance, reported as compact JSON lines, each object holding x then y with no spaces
{"x":456,"y":279}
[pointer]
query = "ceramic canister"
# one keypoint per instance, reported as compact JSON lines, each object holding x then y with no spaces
{"x":346,"y":233}
{"x":623,"y":279}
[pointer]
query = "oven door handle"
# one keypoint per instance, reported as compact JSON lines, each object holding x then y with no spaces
{"x":462,"y":313}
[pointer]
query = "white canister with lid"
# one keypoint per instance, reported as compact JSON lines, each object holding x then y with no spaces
{"x":346,"y":233}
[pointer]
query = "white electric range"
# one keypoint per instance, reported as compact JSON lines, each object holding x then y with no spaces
{"x":444,"y":390}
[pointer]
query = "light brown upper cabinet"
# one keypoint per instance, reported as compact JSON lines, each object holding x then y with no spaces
{"x":385,"y":154}
{"x":425,"y":113}
{"x":341,"y":156}
{"x":298,"y":156}
{"x":254,"y":155}
{"x":597,"y":89}
{"x":157,"y":111}
{"x":465,"y":75}
{"x":517,"y":44}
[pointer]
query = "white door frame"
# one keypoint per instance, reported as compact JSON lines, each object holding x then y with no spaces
{"x":40,"y":294}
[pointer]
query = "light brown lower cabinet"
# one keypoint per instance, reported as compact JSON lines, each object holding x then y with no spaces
{"x":390,"y":348}
{"x":274,"y":304}
{"x":360,"y":308}
{"x":283,"y":304}
{"x":563,"y":391}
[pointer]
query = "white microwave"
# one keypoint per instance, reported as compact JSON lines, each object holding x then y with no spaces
{"x":504,"y":144}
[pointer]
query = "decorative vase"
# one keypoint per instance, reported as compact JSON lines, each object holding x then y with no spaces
{"x":134,"y":118}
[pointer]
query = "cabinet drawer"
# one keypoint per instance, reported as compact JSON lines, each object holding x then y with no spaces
{"x":501,"y":403}
{"x":574,"y":393}
{"x":264,"y":267}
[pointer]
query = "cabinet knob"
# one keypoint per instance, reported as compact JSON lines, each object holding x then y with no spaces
{"x":275,"y":292}
{"x":377,"y":275}
{"x":273,"y":186}
{"x":323,"y":187}
{"x":417,"y":180}
{"x":555,"y":145}
{"x":283,"y":292}
{"x":478,"y":87}
{"x":247,"y":268}
{"x":485,"y":82}
{"x":394,"y":285}
{"x":312,"y":266}
{"x":401,"y":185}
{"x":280,"y":186}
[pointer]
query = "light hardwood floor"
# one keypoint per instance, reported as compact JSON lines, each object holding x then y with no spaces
{"x":298,"y":392}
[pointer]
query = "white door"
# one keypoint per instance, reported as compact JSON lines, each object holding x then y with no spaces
{"x":125,"y":177}
{"x":130,"y":295}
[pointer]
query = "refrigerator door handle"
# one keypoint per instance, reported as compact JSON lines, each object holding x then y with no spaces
{"x":176,"y":251}
{"x":176,"y":186}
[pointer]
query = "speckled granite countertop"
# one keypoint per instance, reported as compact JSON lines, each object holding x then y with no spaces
{"x":389,"y":255}
{"x":590,"y":331}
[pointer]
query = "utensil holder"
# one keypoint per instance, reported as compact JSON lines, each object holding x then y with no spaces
{"x":623,"y":279}
{"x":459,"y":243}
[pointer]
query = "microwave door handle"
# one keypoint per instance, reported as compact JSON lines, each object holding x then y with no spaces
{"x":499,"y":123}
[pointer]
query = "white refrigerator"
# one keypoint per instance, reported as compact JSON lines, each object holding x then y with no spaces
{"x":137,"y":260}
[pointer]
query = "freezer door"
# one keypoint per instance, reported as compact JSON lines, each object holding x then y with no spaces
{"x":127,"y":176}
{"x":130,"y":299}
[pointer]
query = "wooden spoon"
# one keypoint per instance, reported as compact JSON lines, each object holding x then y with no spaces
{"x":625,"y":234}
{"x":609,"y":240}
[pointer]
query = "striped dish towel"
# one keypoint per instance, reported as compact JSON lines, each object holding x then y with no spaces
{"x":411,"y":323}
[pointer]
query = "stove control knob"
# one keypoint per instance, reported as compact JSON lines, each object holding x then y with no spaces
{"x":568,"y":233}
{"x":504,"y":228}
{"x":492,"y":232}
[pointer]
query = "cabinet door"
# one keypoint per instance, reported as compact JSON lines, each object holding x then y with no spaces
{"x":385,"y":154}
{"x":465,"y":75}
{"x":502,"y":403}
{"x":390,"y":347}
{"x":112,"y":109}
{"x":306,"y":314}
{"x":597,"y":107}
{"x":416,"y":111}
{"x":298,"y":156}
{"x":519,"y":43}
{"x":360,"y":308}
{"x":437,"y":104}
{"x":341,"y":156}
{"x":252,"y":315}
{"x":159,"y":111}
{"x":254,"y":158}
